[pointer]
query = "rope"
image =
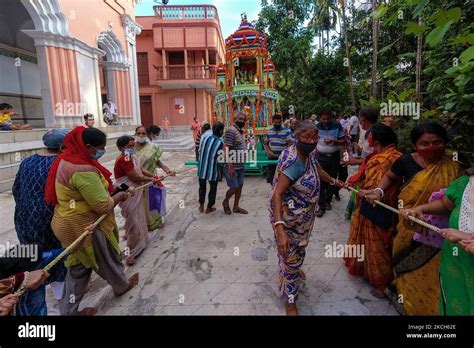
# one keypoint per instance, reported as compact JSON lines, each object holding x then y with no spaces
{"x":163,"y":177}
{"x":409,"y":217}
{"x":67,"y":250}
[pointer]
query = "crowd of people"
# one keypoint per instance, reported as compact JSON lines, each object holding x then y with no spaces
{"x":421,"y":271}
{"x":61,"y":191}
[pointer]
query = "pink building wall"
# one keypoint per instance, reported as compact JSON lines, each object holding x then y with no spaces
{"x":71,"y":38}
{"x":88,"y":17}
{"x":195,"y":85}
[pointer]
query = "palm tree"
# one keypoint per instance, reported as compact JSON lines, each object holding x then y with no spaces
{"x":375,"y":49}
{"x":342,"y":12}
{"x":324,"y":17}
{"x":419,"y":51}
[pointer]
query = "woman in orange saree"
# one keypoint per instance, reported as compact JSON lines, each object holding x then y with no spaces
{"x":415,"y":289}
{"x":376,"y":262}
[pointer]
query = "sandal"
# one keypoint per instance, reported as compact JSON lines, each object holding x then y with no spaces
{"x":226,"y":208}
{"x":240,"y":211}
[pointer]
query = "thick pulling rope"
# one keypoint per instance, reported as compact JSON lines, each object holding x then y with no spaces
{"x":67,"y":250}
{"x":409,"y":217}
{"x":163,"y":177}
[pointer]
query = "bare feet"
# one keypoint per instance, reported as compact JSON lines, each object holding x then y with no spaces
{"x":210,"y":210}
{"x":132,"y":282}
{"x":87,"y":312}
{"x":291,"y":309}
{"x":377,"y":293}
{"x":130,"y":261}
{"x":201,"y":208}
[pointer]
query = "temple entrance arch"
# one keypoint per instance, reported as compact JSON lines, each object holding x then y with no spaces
{"x":113,"y":65}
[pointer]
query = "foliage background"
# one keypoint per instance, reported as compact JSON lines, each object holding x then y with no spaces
{"x":306,"y":43}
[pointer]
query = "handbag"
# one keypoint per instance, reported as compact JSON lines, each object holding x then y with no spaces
{"x":157,"y":199}
{"x":378,"y":215}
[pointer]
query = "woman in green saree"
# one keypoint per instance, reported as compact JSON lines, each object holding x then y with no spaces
{"x":456,"y":271}
{"x":149,"y":155}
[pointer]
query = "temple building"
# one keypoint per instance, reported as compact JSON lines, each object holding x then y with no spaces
{"x":60,"y":59}
{"x":178,"y":51}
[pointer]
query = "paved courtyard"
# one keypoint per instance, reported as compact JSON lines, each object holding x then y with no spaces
{"x":217,"y":264}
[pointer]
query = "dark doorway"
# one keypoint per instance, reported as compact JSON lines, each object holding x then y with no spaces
{"x":146,"y":110}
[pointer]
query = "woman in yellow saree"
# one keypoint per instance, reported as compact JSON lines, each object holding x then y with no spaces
{"x":376,"y":261}
{"x":415,"y":289}
{"x":149,"y":155}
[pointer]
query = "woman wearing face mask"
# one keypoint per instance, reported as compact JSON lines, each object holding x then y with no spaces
{"x":376,"y":265}
{"x":457,"y":264}
{"x":33,"y":217}
{"x":128,"y":170}
{"x":292,"y":206}
{"x":149,"y":155}
{"x":80,"y":188}
{"x":415,"y":289}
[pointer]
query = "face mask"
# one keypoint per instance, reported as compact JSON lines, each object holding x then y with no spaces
{"x":432,"y":152}
{"x":141,"y":139}
{"x":307,"y":147}
{"x":98,"y":154}
{"x":277,"y":127}
{"x":129,"y":152}
{"x":240,"y":124}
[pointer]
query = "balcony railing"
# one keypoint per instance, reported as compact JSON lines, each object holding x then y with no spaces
{"x":178,"y":72}
{"x":174,"y":12}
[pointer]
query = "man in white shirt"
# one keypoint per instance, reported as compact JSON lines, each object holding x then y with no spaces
{"x":354,"y":129}
{"x":110,"y":112}
{"x":368,"y":117}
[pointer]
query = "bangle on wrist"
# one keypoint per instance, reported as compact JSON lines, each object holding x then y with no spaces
{"x":25,"y":281}
{"x":333,"y":182}
{"x":280,"y":222}
{"x":379,"y":190}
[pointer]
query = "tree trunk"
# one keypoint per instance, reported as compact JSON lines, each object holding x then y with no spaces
{"x":348,"y":52}
{"x":419,"y":51}
{"x":375,"y":46}
{"x":327,"y":37}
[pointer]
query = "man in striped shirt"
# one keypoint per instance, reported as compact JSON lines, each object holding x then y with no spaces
{"x":208,"y":170}
{"x":234,"y":171}
{"x":276,"y":141}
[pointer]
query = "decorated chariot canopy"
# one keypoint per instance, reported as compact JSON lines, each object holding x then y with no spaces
{"x":246,"y":82}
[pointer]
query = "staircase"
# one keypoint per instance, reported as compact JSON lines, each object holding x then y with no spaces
{"x":17,"y":145}
{"x":183,"y":143}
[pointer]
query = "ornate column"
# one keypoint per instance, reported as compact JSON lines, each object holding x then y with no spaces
{"x":132,"y":29}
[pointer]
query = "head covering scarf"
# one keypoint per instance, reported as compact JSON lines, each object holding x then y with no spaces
{"x":54,"y":138}
{"x":76,"y":153}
